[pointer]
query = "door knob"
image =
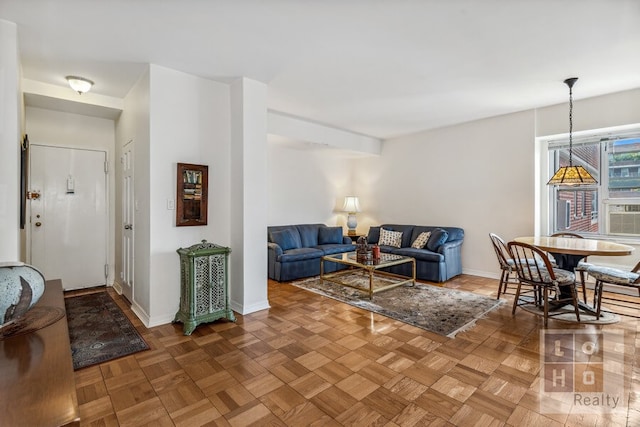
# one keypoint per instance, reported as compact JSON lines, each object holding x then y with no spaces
{"x":38,"y":224}
{"x":128,"y":227}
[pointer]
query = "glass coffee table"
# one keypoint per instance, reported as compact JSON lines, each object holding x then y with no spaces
{"x":370,"y":267}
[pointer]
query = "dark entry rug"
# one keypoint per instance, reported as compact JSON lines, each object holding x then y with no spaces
{"x":440,"y":310}
{"x":99,"y":331}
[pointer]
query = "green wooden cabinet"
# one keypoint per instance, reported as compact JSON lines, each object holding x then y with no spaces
{"x":204,"y":287}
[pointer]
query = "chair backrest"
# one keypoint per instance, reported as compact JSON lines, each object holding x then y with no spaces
{"x":531,"y":264}
{"x":567,"y":234}
{"x":502,"y":252}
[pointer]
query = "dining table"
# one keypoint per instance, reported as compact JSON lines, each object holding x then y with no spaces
{"x":569,"y":251}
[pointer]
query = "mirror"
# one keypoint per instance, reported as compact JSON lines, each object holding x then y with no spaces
{"x":191,"y":199}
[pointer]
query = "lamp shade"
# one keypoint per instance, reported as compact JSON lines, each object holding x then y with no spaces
{"x":79,"y":84}
{"x":351,"y":204}
{"x":572,"y":175}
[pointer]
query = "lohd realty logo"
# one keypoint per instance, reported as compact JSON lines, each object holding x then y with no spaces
{"x":582,"y":371}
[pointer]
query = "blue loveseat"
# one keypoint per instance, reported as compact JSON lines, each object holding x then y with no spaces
{"x":438,"y":261}
{"x":294,"y":251}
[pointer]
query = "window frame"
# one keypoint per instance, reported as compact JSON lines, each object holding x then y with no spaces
{"x":600,"y":198}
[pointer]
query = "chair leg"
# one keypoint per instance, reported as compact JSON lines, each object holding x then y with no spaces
{"x":574,"y":296}
{"x":502,"y":286}
{"x":545,"y":302}
{"x":515,"y":300}
{"x":584,"y":287}
{"x":597,"y":297}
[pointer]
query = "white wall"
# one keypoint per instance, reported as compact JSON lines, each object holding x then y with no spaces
{"x":608,"y":111}
{"x":9,"y":143}
{"x":133,"y":125}
{"x":480,"y":175}
{"x":307,"y":183}
{"x":248,"y":103}
{"x":477,"y":176}
{"x":55,"y":128}
{"x":189,"y":123}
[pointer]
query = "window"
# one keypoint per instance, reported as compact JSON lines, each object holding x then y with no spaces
{"x":614,"y":161}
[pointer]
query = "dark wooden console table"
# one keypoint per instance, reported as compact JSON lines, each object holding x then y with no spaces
{"x":37,"y":385}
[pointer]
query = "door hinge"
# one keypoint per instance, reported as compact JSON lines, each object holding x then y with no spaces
{"x":106,"y":166}
{"x":106,"y":270}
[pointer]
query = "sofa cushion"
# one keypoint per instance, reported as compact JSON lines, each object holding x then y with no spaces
{"x":309,"y":234}
{"x":420,"y":254}
{"x":374,"y":235}
{"x":329,"y":235}
{"x":331,"y":249}
{"x":390,"y":238}
{"x":300,"y":254}
{"x":438,"y":237}
{"x":421,"y":240}
{"x":286,"y":239}
{"x":407,"y":231}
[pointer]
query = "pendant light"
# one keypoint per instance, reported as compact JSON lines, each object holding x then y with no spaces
{"x":571,"y":175}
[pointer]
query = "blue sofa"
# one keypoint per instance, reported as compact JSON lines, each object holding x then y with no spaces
{"x":438,"y":261}
{"x":295,"y":250}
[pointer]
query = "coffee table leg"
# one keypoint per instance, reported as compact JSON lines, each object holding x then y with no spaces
{"x":370,"y":284}
{"x":414,"y":271}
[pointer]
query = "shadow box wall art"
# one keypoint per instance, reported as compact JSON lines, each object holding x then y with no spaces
{"x":191,"y":199}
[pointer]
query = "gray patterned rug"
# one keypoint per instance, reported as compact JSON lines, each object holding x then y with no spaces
{"x":99,"y":330}
{"x":440,"y":310}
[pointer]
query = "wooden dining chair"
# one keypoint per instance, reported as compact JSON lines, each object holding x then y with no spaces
{"x":582,"y":266}
{"x":612,"y":276}
{"x":542,"y":280}
{"x":507,"y":267}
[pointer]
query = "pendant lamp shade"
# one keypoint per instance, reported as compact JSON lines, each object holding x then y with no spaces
{"x":571,"y":175}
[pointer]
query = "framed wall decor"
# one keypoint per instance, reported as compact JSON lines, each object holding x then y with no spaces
{"x":191,"y":198}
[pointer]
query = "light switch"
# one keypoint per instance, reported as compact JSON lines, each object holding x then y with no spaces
{"x":171,"y":204}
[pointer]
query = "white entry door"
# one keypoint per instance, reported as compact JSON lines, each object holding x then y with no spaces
{"x":127,"y":220}
{"x":68,"y":221}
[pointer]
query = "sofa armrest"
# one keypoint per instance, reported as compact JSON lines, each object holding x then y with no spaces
{"x":453,"y":248}
{"x":274,"y":250}
{"x":452,"y":252}
{"x":346,"y":240}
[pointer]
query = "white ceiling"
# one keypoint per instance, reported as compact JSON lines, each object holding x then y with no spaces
{"x":382,"y":68}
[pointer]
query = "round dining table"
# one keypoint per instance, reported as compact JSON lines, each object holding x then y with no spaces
{"x":569,"y":251}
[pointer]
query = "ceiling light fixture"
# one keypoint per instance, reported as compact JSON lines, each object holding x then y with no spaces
{"x":79,"y":84}
{"x":571,"y":175}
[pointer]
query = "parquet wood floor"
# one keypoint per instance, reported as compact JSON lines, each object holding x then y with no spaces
{"x":312,"y":361}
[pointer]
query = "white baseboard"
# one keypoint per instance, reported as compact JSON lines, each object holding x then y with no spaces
{"x":481,"y":273}
{"x":239,"y":308}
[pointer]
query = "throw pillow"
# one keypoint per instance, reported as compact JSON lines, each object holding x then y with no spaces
{"x":390,"y":238}
{"x":285,"y":239}
{"x":374,"y":235}
{"x":438,"y":237}
{"x":329,"y":235}
{"x":421,"y":240}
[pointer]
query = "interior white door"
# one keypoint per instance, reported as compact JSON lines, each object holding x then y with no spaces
{"x":127,"y":220}
{"x":68,"y":221}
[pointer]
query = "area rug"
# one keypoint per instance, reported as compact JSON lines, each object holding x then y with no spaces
{"x":99,"y":331}
{"x":567,"y":314}
{"x":440,"y":310}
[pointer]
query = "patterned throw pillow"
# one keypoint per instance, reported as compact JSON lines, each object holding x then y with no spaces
{"x":421,"y":240}
{"x":390,"y":238}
